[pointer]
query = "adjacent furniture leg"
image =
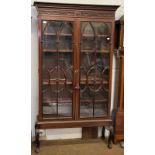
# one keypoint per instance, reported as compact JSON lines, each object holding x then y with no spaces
{"x":103,"y":132}
{"x":37,"y":142}
{"x":110,"y":138}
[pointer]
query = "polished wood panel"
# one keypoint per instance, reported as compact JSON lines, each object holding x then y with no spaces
{"x":73,"y":124}
{"x":89,"y":132}
{"x":76,"y":10}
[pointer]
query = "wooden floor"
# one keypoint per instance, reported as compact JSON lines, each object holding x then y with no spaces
{"x":78,"y":147}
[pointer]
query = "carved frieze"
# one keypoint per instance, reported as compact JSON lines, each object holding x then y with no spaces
{"x":75,"y":13}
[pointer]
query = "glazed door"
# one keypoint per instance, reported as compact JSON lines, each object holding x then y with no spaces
{"x":94,"y":69}
{"x":57,"y":69}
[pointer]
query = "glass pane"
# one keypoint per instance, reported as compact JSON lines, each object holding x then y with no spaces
{"x":86,"y":109}
{"x":94,"y":70}
{"x":57,"y":69}
{"x":65,"y":109}
{"x":100,"y":109}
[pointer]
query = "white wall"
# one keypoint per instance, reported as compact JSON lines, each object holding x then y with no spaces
{"x":59,"y":133}
{"x":34,"y":68}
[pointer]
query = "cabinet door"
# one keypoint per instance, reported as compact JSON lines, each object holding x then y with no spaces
{"x":94,"y":68}
{"x":57,"y":69}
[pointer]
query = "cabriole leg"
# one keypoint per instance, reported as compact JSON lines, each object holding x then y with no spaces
{"x":110,"y":138}
{"x":103,"y":132}
{"x":37,"y":142}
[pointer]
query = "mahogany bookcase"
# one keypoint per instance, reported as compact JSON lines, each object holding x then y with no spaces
{"x":76,"y":45}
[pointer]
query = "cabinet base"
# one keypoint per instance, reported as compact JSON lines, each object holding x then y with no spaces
{"x":71,"y":124}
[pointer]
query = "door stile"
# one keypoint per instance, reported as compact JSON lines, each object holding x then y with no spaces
{"x":76,"y":94}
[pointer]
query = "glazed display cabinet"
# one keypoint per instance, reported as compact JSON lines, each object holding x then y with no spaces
{"x":75,"y":66}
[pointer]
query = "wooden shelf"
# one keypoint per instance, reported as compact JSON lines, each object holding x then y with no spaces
{"x":91,"y":101}
{"x":91,"y":81}
{"x":70,"y":50}
{"x":53,"y":50}
{"x":55,"y":116}
{"x":66,"y":101}
{"x":50,"y":101}
{"x":82,"y":81}
{"x":85,"y":115}
{"x":61,"y":81}
{"x":99,"y":35}
{"x":54,"y":34}
{"x":97,"y":51}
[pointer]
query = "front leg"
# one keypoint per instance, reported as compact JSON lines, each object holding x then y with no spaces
{"x":37,"y":141}
{"x":103,"y":132}
{"x":110,"y":138}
